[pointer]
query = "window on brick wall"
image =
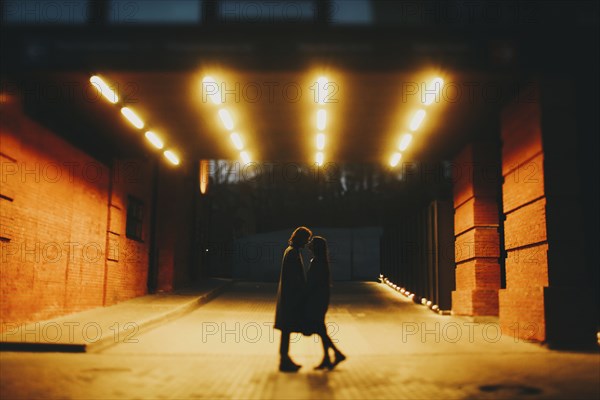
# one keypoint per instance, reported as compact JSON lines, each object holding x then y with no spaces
{"x":135,"y":218}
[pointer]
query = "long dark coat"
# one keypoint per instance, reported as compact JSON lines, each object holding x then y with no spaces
{"x":318,"y":285}
{"x":291,"y":293}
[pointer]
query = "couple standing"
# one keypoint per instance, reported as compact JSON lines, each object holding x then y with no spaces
{"x":303,"y":299}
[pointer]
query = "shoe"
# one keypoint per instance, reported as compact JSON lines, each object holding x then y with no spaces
{"x":339,"y":357}
{"x":326,"y":363}
{"x":287,"y":365}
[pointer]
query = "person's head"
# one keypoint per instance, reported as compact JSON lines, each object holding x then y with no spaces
{"x":300,"y":237}
{"x":318,"y":245}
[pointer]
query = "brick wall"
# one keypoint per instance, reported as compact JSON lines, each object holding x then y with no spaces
{"x":524,"y":203}
{"x":62,"y":224}
{"x":127,"y":260}
{"x":53,"y":202}
{"x":548,"y":296}
{"x":477,"y":245}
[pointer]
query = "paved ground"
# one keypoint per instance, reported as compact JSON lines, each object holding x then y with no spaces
{"x":227,"y":349}
{"x":104,"y":326}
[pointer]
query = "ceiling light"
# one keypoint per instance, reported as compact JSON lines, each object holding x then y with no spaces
{"x":245,"y":157}
{"x":237,"y":141}
{"x":104,"y":89}
{"x":132,"y":117}
{"x":416,"y":120}
{"x":319,"y":158}
{"x":204,"y":176}
{"x":172,"y":157}
{"x":405,"y":141}
{"x":395,"y":159}
{"x":322,"y":89}
{"x":320,"y":141}
{"x":155,"y":140}
{"x":210,"y":85}
{"x":321,"y":119}
{"x":431,"y":95}
{"x":226,"y":119}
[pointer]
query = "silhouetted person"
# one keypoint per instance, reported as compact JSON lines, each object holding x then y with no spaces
{"x":291,"y":296}
{"x":317,"y":302}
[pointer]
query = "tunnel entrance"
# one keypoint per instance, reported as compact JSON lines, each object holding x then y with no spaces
{"x":233,"y":136}
{"x":355,"y":206}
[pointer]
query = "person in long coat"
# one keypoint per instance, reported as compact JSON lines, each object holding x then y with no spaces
{"x":291,"y":296}
{"x":317,"y":302}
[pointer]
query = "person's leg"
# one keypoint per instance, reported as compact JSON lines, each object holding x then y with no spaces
{"x":327,"y":344}
{"x":326,"y":340}
{"x":285,"y":362}
{"x":284,"y":345}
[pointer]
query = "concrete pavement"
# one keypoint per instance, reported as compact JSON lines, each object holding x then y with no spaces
{"x":97,"y":328}
{"x":228,"y":349}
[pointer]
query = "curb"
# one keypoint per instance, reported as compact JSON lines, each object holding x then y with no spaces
{"x":107,"y":340}
{"x":146,"y":325}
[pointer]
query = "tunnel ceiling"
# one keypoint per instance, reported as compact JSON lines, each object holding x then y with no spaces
{"x":274,"y":111}
{"x":159,"y":70}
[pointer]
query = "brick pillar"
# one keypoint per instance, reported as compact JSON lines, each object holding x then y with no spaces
{"x":545,"y":297}
{"x":477,"y":246}
{"x":524,"y":207}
